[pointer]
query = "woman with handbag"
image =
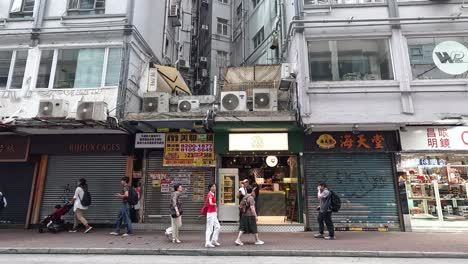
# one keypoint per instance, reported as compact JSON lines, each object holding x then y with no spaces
{"x":176,"y":212}
{"x":212,"y":223}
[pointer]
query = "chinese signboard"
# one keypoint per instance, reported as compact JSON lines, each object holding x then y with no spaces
{"x":365,"y":141}
{"x":189,"y":150}
{"x":150,"y":140}
{"x":434,"y":138}
{"x":258,"y":142}
{"x":14,"y":148}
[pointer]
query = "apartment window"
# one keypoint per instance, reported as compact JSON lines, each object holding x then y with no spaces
{"x":221,"y":58}
{"x":259,"y":38}
{"x":12,"y":67}
{"x":222,"y":26}
{"x":341,"y":2}
{"x":438,"y":58}
{"x":22,"y":8}
{"x":79,"y":68}
{"x":224,"y":1}
{"x":86,"y":7}
{"x":350,"y":60}
{"x":239,"y":12}
{"x":256,"y":2}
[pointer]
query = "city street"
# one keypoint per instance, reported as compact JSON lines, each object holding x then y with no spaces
{"x":117,"y":259}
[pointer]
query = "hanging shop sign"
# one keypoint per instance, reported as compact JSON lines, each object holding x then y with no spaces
{"x":366,"y":141}
{"x":189,"y":150}
{"x":14,"y":148}
{"x":150,"y":140}
{"x":434,"y":138}
{"x":451,"y":57}
{"x":259,"y":142}
{"x":272,"y":161}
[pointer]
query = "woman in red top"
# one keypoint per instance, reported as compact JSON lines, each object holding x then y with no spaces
{"x":212,"y":223}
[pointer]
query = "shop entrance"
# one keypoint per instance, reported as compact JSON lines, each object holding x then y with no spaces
{"x":274,"y":181}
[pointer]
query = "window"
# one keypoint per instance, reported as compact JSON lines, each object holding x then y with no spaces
{"x":222,"y":26}
{"x":224,"y":1}
{"x":350,"y":60}
{"x":22,"y":8}
{"x":239,"y":12}
{"x":255,"y":2}
{"x":427,"y":62}
{"x":86,"y":7}
{"x":221,"y":58}
{"x":341,"y":2}
{"x":12,"y":66}
{"x":79,"y":68}
{"x":259,"y":38}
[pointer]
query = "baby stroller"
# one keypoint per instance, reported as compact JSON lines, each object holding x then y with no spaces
{"x":54,"y":222}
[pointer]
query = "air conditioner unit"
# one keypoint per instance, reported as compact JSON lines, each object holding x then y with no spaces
{"x":204,"y":27}
{"x":203,"y":59}
{"x":156,"y":102}
{"x":91,"y":111}
{"x":187,"y":105}
{"x":183,"y":64}
{"x":265,"y":100}
{"x":53,"y":108}
{"x":234,"y":101}
{"x":287,"y":70}
{"x":173,"y":9}
{"x":153,"y":80}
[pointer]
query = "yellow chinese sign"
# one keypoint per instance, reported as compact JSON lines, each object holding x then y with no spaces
{"x":189,"y":150}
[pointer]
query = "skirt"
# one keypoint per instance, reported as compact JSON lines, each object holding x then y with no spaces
{"x":248,"y":225}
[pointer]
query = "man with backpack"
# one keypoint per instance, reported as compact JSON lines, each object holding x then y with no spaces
{"x":325,"y":212}
{"x":129,"y":197}
{"x":81,"y":200}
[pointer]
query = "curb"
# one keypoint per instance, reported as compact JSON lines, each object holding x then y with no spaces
{"x":216,"y":252}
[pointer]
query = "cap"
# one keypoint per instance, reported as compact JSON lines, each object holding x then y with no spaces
{"x":245,"y":180}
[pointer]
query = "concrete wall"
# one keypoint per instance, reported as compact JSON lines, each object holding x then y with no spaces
{"x":399,"y":101}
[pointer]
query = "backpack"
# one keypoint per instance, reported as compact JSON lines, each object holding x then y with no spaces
{"x":86,"y":199}
{"x":132,"y":198}
{"x":3,"y":203}
{"x":335,"y":202}
{"x":243,"y":206}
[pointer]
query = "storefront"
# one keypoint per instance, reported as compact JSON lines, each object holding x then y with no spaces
{"x":433,"y":177}
{"x":359,"y":167}
{"x":176,"y":157}
{"x":99,"y":158}
{"x":17,"y":173}
{"x":268,"y":159}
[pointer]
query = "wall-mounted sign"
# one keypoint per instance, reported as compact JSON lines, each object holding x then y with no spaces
{"x":434,"y":138}
{"x":14,"y":148}
{"x":451,"y":57}
{"x":189,"y":150}
{"x":259,"y":142}
{"x":150,"y":140}
{"x":272,"y":161}
{"x":365,"y":141}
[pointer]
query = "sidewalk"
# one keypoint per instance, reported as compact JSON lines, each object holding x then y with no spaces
{"x":348,"y":244}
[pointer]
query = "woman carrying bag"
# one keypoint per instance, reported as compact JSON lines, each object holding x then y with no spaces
{"x":176,"y":212}
{"x":212,"y":223}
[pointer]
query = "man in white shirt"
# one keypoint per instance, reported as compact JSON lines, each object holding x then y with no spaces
{"x":78,"y":208}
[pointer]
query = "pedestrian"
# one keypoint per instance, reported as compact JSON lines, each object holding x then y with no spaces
{"x":248,"y":222}
{"x":176,"y":214}
{"x":3,"y":201}
{"x":212,"y":223}
{"x":135,"y":209}
{"x":325,"y":212}
{"x":242,"y":193}
{"x":79,"y":208}
{"x":124,"y":214}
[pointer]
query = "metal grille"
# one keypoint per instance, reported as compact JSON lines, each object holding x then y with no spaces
{"x":157,"y":204}
{"x":103,"y":174}
{"x":15,"y":184}
{"x":365,"y":183}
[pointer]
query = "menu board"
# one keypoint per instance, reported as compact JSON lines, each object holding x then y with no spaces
{"x":189,"y":150}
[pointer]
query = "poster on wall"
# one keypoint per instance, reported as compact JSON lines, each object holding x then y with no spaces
{"x":198,"y":187}
{"x":165,"y":188}
{"x":189,"y":150}
{"x":156,"y":178}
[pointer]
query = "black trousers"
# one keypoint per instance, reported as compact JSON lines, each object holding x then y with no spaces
{"x":326,"y":219}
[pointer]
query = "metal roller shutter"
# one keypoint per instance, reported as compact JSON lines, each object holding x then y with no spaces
{"x":103,"y":174}
{"x":15,"y":184}
{"x":365,"y":183}
{"x":157,"y":203}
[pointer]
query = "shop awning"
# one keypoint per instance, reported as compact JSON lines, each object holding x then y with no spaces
{"x":171,"y":80}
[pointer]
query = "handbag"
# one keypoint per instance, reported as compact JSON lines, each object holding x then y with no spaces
{"x":173,"y":212}
{"x":204,"y":210}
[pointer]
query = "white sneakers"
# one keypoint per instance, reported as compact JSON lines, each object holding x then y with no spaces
{"x":212,"y":244}
{"x":259,"y":242}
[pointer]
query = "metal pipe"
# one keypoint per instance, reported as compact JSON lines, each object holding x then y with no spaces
{"x":391,"y":92}
{"x":166,"y":14}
